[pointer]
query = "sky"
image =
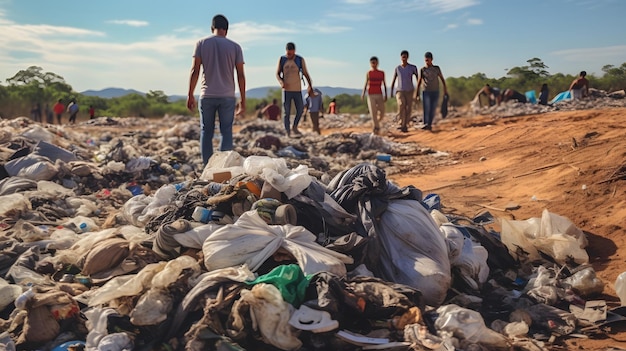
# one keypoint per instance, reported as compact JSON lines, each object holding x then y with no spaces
{"x":148,"y":44}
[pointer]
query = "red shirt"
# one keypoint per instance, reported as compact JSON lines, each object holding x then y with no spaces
{"x":332,"y":108}
{"x":58,"y":108}
{"x":375,"y":82}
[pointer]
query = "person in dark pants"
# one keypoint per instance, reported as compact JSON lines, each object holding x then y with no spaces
{"x":290,"y":66}
{"x":58,"y":109}
{"x":72,"y":109}
{"x":543,"y":95}
{"x":219,"y":58}
{"x":429,"y":82}
{"x":510,"y":94}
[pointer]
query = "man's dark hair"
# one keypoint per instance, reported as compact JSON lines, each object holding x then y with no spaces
{"x":373,"y":58}
{"x":290,"y":46}
{"x":583,"y":73}
{"x":219,"y":22}
{"x":428,"y":54}
{"x":404,"y":52}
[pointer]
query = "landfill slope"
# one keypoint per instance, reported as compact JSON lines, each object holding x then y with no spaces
{"x":507,"y":161}
{"x":572,"y":163}
{"x":570,"y":160}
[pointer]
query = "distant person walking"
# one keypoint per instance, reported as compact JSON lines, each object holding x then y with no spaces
{"x":290,"y":66}
{"x":35,"y":112}
{"x":58,"y":109}
{"x":404,"y":95}
{"x":220,"y":58}
{"x":580,"y":86}
{"x":92,"y":112}
{"x":73,"y":109}
{"x":314,"y":105}
{"x":272,"y":111}
{"x":543,"y":95}
{"x":49,"y":114}
{"x":376,"y":89}
{"x":429,"y":82}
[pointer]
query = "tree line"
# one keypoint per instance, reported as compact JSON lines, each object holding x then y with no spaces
{"x":33,"y":85}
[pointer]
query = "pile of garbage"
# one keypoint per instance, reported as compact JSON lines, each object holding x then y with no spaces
{"x":126,"y":242}
{"x":596,"y":99}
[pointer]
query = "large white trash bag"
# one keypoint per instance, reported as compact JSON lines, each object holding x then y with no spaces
{"x":554,"y":235}
{"x":414,"y":252}
{"x":252,"y":241}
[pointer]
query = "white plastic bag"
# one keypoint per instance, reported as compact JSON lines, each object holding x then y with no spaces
{"x":270,"y":315}
{"x":127,"y":285}
{"x":223,"y":161}
{"x":554,"y":235}
{"x":43,"y":170}
{"x":14,"y":203}
{"x":291,"y":183}
{"x":468,"y":325}
{"x":471,"y":258}
{"x":254,"y":165}
{"x":414,"y":251}
{"x":620,"y":288}
{"x":252,"y":241}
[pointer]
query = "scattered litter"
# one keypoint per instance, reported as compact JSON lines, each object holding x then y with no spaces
{"x":127,"y":241}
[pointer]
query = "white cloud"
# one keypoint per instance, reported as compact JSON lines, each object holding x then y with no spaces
{"x":437,"y":6}
{"x":605,"y":54}
{"x":451,"y":26}
{"x":474,"y":21}
{"x":86,"y":59}
{"x":325,"y":28}
{"x":442,"y":6}
{"x":358,"y":2}
{"x":345,"y":16}
{"x":252,"y":32}
{"x":131,"y":23}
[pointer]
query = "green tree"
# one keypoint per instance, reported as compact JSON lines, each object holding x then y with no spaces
{"x":526,"y":77}
{"x":614,"y":77}
{"x":157,"y":96}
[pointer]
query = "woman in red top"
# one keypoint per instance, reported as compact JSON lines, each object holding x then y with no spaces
{"x":332,"y":107}
{"x":376,"y":95}
{"x":58,"y":109}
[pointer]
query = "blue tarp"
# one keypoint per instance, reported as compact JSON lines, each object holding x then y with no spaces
{"x":531,"y":97}
{"x":566,"y":95}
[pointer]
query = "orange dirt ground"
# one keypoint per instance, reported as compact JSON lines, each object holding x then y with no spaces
{"x":572,"y":163}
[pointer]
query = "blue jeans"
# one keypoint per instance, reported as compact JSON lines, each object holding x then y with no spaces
{"x":296,"y":97}
{"x":430,"y":99}
{"x":225,"y":108}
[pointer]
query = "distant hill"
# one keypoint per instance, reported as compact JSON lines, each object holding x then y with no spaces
{"x":111,"y":92}
{"x":256,"y":93}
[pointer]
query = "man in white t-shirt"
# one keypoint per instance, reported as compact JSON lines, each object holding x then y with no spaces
{"x":404,"y":73}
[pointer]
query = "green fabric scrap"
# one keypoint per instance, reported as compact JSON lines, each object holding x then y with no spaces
{"x":289,"y":280}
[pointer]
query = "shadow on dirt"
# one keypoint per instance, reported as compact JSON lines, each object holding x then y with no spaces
{"x":600,"y":250}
